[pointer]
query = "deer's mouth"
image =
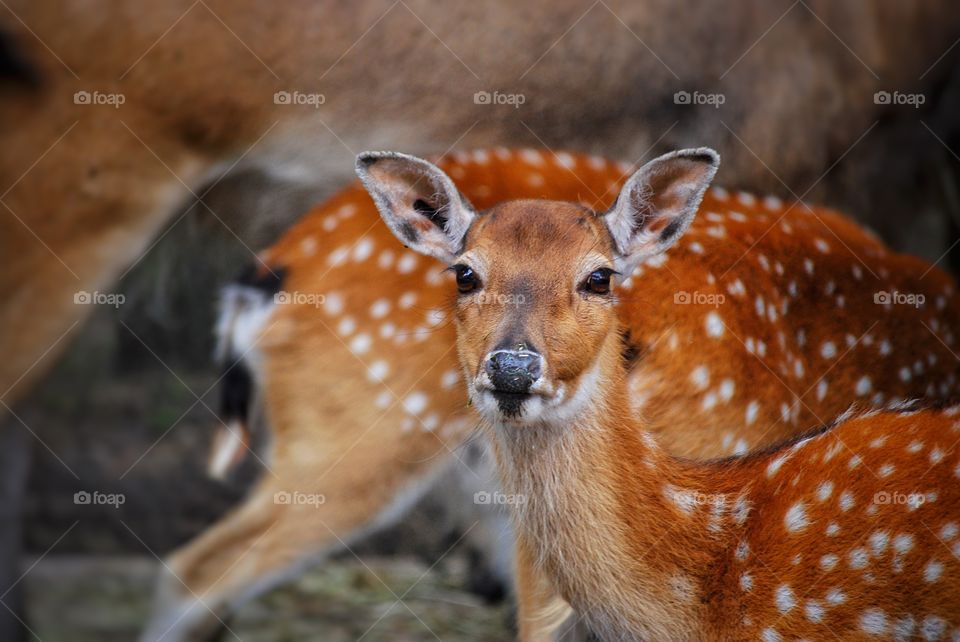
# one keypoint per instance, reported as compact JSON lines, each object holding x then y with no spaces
{"x":514,"y":407}
{"x":510,"y":403}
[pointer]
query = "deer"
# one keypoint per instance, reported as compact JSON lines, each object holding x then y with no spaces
{"x":788,"y":542}
{"x":111,"y":129}
{"x":391,"y":344}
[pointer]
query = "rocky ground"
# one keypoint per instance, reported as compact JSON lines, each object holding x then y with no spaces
{"x":106,"y":599}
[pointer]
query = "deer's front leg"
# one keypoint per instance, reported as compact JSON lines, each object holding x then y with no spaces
{"x":542,"y":615}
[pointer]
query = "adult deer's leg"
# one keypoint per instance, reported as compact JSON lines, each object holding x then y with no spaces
{"x":81,"y":196}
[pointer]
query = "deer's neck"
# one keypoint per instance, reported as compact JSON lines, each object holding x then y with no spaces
{"x":625,"y":531}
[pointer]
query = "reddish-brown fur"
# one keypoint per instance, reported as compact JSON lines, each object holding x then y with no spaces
{"x":645,"y":545}
{"x":326,"y":429}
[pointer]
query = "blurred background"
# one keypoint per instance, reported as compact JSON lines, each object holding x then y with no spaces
{"x":148,"y":152}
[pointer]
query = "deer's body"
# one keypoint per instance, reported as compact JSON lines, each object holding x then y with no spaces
{"x":851,"y":531}
{"x":792,"y":542}
{"x":389,"y":345}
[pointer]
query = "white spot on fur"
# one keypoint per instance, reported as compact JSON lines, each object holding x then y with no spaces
{"x":828,"y":350}
{"x":363,"y":250}
{"x":743,"y":549}
{"x":380,"y":308}
{"x":407,"y":263}
{"x":727,"y":388}
{"x":835,"y":597}
{"x":859,"y":558}
{"x":775,"y":465}
{"x":824,"y":490}
{"x":308,"y":246}
{"x":932,"y":571}
{"x":795,"y":518}
{"x":874,"y":622}
{"x":338,"y":256}
{"x":949,"y":531}
{"x":846,"y":500}
{"x":933,"y":628}
{"x":714,"y":325}
{"x":736,"y":288}
{"x":333,"y":304}
{"x":378,"y":371}
{"x":449,"y":379}
{"x":385,"y":259}
{"x":531,"y":157}
{"x":785,"y":599}
{"x":814,"y":611}
{"x":903,"y":629}
{"x":346,"y":326}
{"x":878,"y":542}
{"x":361,"y":343}
{"x":415,"y":403}
{"x":700,"y":377}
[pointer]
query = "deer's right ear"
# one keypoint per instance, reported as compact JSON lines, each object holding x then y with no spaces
{"x":419,"y":203}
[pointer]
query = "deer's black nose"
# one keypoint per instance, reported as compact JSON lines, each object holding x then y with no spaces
{"x":513,"y":370}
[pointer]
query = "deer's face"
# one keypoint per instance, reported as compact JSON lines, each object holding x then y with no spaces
{"x":535,"y":279}
{"x":534,"y":305}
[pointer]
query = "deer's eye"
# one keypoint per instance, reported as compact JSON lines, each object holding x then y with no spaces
{"x":598,"y":282}
{"x":467,"y":280}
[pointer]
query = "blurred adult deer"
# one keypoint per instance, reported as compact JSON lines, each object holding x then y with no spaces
{"x":791,"y":542}
{"x":345,"y":316}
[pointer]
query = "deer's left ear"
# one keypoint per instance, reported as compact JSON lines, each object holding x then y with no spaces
{"x":658,"y":203}
{"x":419,"y":203}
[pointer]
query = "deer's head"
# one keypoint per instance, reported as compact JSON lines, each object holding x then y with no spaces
{"x":536,"y":279}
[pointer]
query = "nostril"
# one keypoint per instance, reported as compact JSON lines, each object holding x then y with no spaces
{"x":511,"y":371}
{"x":533,"y":365}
